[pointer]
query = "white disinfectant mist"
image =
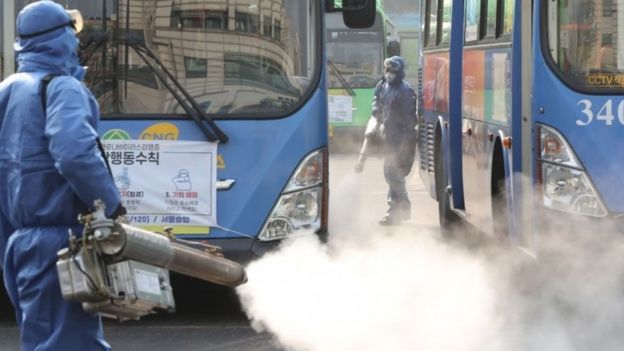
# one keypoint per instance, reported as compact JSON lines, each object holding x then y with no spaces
{"x":405,"y":290}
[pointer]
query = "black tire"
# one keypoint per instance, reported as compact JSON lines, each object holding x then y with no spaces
{"x":448,"y":219}
{"x":499,"y":198}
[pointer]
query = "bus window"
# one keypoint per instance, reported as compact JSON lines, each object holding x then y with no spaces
{"x":213,"y":60}
{"x":356,"y":55}
{"x":433,"y":23}
{"x":446,"y":21}
{"x":589,"y":56}
{"x":253,"y":65}
{"x":508,"y":10}
{"x":355,"y":66}
{"x":473,"y":12}
{"x":490,"y":19}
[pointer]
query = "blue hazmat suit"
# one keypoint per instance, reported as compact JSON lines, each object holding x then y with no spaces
{"x":394,"y":106}
{"x":51,"y":170}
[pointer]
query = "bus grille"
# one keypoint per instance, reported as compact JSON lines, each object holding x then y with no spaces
{"x":420,"y":89}
{"x":426,"y":140}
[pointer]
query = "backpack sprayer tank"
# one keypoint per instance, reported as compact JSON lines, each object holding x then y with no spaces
{"x":122,"y":272}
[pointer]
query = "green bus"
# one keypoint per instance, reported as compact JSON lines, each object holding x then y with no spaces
{"x":355,"y":66}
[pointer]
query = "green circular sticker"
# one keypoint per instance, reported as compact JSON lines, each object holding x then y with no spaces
{"x":116,"y":134}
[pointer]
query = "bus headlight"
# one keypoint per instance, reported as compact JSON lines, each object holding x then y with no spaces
{"x":299,"y":206}
{"x":555,"y":149}
{"x":309,"y":173}
{"x":569,"y":190}
{"x":565,"y":184}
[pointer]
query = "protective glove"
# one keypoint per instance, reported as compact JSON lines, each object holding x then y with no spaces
{"x":372,"y":127}
{"x":120,"y":211}
{"x":381,"y":132}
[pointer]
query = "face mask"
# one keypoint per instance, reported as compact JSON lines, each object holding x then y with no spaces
{"x":73,"y":62}
{"x":390,"y":77}
{"x":75,"y":69}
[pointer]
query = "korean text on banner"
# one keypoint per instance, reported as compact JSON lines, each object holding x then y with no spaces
{"x":340,"y":108}
{"x":165,"y":183}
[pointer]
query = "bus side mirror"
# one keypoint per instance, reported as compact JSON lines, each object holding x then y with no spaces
{"x":355,"y":13}
{"x":394,"y":48}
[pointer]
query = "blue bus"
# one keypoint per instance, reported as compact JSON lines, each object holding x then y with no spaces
{"x":355,"y":66}
{"x":514,"y":90}
{"x":214,"y":113}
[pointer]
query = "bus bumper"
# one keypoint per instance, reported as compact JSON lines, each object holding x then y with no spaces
{"x":245,"y":250}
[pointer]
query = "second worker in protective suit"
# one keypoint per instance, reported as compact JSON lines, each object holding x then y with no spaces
{"x":51,"y":170}
{"x":394,"y":107}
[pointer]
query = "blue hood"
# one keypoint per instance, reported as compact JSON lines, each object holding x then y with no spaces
{"x":52,"y":52}
{"x":399,"y":62}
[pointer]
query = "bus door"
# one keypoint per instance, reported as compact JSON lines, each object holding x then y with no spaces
{"x":173,"y":78}
{"x":578,"y":108}
{"x":486,"y":107}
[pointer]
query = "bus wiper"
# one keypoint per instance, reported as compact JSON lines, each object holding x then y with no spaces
{"x":196,"y":112}
{"x":341,"y":78}
{"x":92,"y":45}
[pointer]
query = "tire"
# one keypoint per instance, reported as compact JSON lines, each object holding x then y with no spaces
{"x":448,"y":219}
{"x":499,"y":198}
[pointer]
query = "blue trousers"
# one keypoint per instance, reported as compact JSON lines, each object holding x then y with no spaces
{"x":47,"y":322}
{"x":395,"y":172}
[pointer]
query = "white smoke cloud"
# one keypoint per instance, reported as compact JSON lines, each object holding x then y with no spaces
{"x":403,"y":292}
{"x":406,"y":289}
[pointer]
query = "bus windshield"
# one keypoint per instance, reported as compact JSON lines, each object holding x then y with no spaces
{"x":356,"y":54}
{"x":586,"y":42}
{"x":249,"y":58}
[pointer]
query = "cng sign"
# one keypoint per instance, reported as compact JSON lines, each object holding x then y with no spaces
{"x":160,"y":131}
{"x":116,"y":134}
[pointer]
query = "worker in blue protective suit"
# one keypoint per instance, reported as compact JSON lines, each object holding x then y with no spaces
{"x":51,"y":170}
{"x":394,"y":107}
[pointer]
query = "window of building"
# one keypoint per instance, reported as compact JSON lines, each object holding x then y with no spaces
{"x":266,"y":26}
{"x":195,"y":67}
{"x":246,"y":22}
{"x":607,"y":39}
{"x":277,"y":30}
{"x":215,"y":20}
{"x":186,"y":19}
{"x":607,"y":8}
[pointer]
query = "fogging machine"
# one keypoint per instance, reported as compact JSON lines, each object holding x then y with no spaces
{"x":372,"y":137}
{"x":122,"y":272}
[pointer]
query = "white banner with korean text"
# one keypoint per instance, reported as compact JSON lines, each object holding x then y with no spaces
{"x":340,"y":108}
{"x":166,"y":183}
